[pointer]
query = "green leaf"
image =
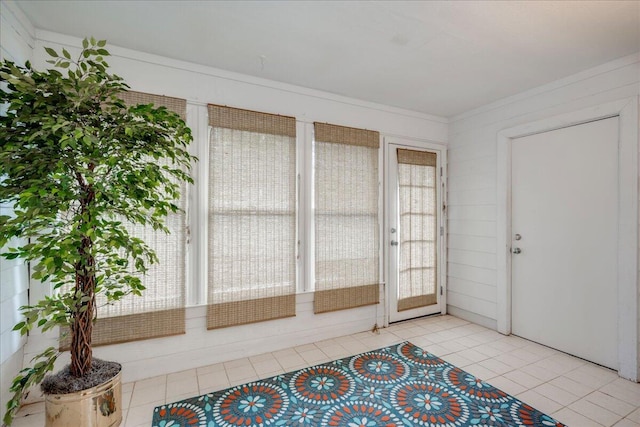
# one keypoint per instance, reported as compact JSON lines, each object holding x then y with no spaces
{"x":26,"y":379}
{"x":85,"y":43}
{"x":66,"y":54}
{"x":51,"y":52}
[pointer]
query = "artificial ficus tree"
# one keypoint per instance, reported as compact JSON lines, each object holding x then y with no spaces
{"x":77,"y":164}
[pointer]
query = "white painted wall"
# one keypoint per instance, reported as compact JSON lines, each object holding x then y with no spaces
{"x":16,"y":44}
{"x":473,"y":175}
{"x":201,"y":85}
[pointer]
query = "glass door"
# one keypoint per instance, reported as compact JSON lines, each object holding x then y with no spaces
{"x":414,"y":232}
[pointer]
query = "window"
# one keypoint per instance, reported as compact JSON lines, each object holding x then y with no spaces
{"x":346,"y":217}
{"x":252,"y":217}
{"x":251,"y":236}
{"x":160,"y":310}
{"x":417,"y":209}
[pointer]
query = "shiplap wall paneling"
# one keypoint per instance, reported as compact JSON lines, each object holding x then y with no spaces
{"x":473,"y":214}
{"x":472,"y":161}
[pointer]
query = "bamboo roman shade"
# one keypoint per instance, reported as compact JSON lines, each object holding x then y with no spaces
{"x":417,"y":285}
{"x":252,"y":217}
{"x":160,"y":310}
{"x":177,"y":105}
{"x":345,"y":217}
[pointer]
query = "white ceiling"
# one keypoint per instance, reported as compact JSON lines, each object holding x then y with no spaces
{"x":436,"y":57}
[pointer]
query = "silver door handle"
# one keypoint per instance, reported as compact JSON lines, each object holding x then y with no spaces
{"x":516,"y":250}
{"x":394,"y":243}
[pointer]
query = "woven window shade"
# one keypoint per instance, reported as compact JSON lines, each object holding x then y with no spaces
{"x":346,"y":218}
{"x":252,"y":217}
{"x":177,"y":105}
{"x":417,"y":201}
{"x":160,"y":311}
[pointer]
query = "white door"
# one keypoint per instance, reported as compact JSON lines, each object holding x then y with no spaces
{"x":564,"y":248}
{"x":413,"y":232}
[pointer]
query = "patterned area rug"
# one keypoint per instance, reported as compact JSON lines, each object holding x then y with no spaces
{"x":400,"y":385}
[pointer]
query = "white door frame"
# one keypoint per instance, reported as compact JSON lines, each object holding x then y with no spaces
{"x":441,"y":151}
{"x":627,"y":285}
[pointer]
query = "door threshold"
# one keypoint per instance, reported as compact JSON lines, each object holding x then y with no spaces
{"x":399,"y":322}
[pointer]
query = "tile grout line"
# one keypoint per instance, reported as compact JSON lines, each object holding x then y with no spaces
{"x":452,"y":336}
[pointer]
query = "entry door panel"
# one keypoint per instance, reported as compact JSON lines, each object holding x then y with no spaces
{"x":414,"y":238}
{"x":564,"y":224}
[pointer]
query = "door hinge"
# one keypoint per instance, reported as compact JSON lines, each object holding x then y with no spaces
{"x":440,"y":171}
{"x":441,"y":290}
{"x":442,"y":230}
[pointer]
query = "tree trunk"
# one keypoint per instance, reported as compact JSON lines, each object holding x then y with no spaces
{"x":82,"y":319}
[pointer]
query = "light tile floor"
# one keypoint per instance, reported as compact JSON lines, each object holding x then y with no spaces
{"x":573,"y":391}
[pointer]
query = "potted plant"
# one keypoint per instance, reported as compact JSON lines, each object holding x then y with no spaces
{"x":77,"y":164}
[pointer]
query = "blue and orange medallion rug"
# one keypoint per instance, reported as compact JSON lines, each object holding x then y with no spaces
{"x":401,"y":385}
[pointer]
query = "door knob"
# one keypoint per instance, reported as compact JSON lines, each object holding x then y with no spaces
{"x":394,"y":243}
{"x":518,"y":237}
{"x":516,"y":250}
